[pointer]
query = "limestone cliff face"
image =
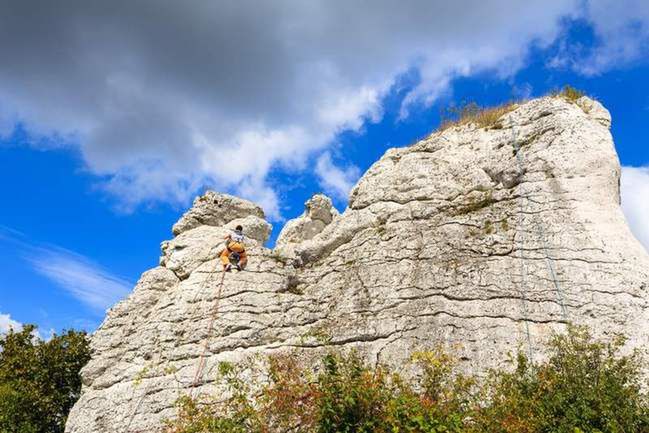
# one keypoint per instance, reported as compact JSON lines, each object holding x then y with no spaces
{"x":485,"y":240}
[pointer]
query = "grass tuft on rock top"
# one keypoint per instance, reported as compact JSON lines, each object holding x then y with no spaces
{"x":568,"y":93}
{"x":472,"y":113}
{"x":488,"y":117}
{"x":584,"y":386}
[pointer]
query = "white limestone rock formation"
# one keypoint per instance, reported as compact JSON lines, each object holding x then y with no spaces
{"x":482,"y":239}
{"x":214,"y":209}
{"x":318,"y":213}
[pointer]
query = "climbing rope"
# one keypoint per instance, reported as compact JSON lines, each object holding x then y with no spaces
{"x":155,"y":343}
{"x":521,"y":229}
{"x":541,"y":234}
{"x":201,"y":364}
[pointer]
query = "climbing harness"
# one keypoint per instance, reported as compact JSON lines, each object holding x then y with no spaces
{"x":234,"y":258}
{"x":548,"y":260}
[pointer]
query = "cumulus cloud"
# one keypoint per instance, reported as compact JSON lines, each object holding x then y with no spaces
{"x":7,"y":323}
{"x":635,"y":191}
{"x":163,"y":97}
{"x":621,"y":29}
{"x":335,"y":180}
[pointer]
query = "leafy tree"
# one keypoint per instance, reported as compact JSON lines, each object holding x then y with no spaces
{"x":39,"y":380}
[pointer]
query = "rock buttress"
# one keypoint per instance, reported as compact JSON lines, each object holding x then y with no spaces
{"x":485,"y":240}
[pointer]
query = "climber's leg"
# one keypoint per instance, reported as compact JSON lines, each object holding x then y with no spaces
{"x":243,"y":260}
{"x":225,"y":259}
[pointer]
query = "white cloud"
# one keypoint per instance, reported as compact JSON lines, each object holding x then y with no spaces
{"x":218,"y":94}
{"x":7,"y":323}
{"x":621,"y":29}
{"x":79,"y":276}
{"x":635,"y":201}
{"x":163,"y":98}
{"x":335,"y":180}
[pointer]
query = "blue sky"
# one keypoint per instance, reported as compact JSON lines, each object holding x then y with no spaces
{"x":106,"y":132}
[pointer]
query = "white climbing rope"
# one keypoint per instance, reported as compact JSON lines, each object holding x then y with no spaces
{"x":521,"y":242}
{"x":543,"y":238}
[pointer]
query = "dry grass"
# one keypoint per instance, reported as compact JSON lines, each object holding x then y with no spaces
{"x":472,"y":113}
{"x":568,"y":93}
{"x":573,"y":96}
{"x":488,"y":117}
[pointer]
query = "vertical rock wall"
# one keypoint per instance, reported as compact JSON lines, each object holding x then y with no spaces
{"x":484,"y":239}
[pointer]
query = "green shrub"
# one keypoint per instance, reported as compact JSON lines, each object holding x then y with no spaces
{"x":584,"y":386}
{"x":39,"y":380}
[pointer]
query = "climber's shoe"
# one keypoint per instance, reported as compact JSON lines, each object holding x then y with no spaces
{"x":227,"y":268}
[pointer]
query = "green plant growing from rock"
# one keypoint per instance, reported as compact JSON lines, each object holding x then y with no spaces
{"x":486,"y":199}
{"x":319,"y":333}
{"x":585,"y":386}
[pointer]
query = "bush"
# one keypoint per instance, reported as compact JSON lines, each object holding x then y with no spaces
{"x":39,"y":380}
{"x":584,"y":386}
{"x":345,"y":396}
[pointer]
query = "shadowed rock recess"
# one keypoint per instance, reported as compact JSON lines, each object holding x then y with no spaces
{"x":481,"y":239}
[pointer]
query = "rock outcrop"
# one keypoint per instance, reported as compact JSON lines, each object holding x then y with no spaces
{"x":318,"y":213}
{"x":482,"y":239}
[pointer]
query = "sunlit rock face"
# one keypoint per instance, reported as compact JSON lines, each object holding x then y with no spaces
{"x":484,"y":240}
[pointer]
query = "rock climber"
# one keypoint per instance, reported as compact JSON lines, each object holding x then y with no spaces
{"x":234,"y":252}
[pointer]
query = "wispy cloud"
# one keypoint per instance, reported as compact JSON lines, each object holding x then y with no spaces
{"x":335,"y":180}
{"x":621,"y":37}
{"x":78,"y":275}
{"x":635,"y":190}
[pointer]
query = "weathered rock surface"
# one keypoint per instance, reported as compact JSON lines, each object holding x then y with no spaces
{"x":481,"y":239}
{"x":318,"y":213}
{"x":214,"y":209}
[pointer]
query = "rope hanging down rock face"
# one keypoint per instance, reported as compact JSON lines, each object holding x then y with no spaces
{"x":201,"y":363}
{"x":548,"y":260}
{"x":199,"y":370}
{"x":521,"y":241}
